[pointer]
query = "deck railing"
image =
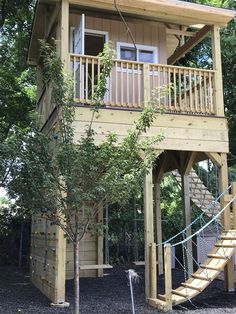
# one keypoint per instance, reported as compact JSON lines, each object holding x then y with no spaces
{"x":135,"y":84}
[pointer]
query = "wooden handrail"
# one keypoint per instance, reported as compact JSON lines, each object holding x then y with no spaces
{"x":134,"y":84}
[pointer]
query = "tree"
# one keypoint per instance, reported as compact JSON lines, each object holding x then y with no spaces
{"x":69,"y":182}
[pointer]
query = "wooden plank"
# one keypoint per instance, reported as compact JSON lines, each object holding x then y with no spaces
{"x":97,"y":266}
{"x":173,"y":31}
{"x":167,"y":11}
{"x":187,"y":221}
{"x":234,"y":205}
{"x":215,"y":157}
{"x":168,"y":276}
{"x":100,"y":244}
{"x":192,"y":42}
{"x":153,"y":271}
{"x":158,"y":226}
{"x":148,"y":226}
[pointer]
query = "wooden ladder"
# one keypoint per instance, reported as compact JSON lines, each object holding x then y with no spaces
{"x":206,"y":273}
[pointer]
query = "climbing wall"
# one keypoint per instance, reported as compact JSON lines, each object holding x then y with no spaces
{"x":48,"y":248}
{"x":52,"y":258}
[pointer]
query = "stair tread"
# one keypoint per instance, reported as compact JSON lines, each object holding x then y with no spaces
{"x":218,"y":256}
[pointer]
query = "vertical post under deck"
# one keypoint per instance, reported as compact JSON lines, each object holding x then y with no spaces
{"x":187,"y":221}
{"x":168,"y":277}
{"x":229,"y":269}
{"x":158,"y":226}
{"x":148,"y":227}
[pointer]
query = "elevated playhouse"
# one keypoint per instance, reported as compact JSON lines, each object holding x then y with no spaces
{"x":193,"y":124}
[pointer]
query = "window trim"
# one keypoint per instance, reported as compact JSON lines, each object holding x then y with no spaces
{"x":139,"y":47}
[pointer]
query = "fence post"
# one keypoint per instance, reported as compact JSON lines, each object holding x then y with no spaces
{"x":168,"y":276}
{"x":153,"y":271}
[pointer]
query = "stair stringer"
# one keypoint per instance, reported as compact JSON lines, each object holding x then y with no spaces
{"x":206,"y":273}
{"x":199,"y":193}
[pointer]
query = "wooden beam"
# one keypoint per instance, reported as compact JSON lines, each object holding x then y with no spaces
{"x":168,"y":277}
{"x":100,"y":244}
{"x":148,"y":227}
{"x":178,"y":32}
{"x":158,"y":226}
{"x":215,"y":158}
{"x":234,"y":205}
{"x":192,"y":42}
{"x":53,"y":19}
{"x":153,"y":271}
{"x":216,"y":57}
{"x":223,"y":177}
{"x":189,"y":162}
{"x":65,"y":34}
{"x":187,"y":221}
{"x":60,"y":266}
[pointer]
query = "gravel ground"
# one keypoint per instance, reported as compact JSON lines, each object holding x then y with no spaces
{"x":107,"y":295}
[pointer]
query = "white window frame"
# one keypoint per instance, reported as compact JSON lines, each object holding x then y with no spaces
{"x":139,"y":47}
{"x":87,"y":31}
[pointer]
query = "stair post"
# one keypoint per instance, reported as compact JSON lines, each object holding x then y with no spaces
{"x":168,"y":276}
{"x":234,"y":206}
{"x":229,"y":268}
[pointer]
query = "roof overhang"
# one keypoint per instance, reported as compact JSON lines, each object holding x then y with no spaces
{"x":168,"y":11}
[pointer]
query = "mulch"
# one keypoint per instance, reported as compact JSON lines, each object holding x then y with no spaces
{"x":107,"y":295}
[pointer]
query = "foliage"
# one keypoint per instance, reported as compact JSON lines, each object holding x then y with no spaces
{"x":201,"y":56}
{"x":68,"y":180}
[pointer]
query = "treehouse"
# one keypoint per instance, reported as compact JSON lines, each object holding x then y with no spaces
{"x":149,"y":37}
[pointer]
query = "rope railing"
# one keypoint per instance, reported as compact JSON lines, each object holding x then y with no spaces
{"x":207,"y":224}
{"x":211,"y":206}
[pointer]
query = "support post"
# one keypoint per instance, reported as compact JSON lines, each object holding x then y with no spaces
{"x":65,"y":34}
{"x":168,"y":277}
{"x":153,"y":271}
{"x":216,"y":57}
{"x":223,"y":176}
{"x":148,"y":227}
{"x":234,"y":205}
{"x":60,"y":267}
{"x":100,"y":242}
{"x":187,"y":221}
{"x":158,"y":226}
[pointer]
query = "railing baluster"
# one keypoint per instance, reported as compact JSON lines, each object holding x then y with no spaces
{"x":121,"y":84}
{"x":127,"y":84}
{"x":195,"y":91}
{"x":80,"y":78}
{"x":191,"y":91}
{"x":86,"y":79}
{"x":133,"y":86}
{"x":205,"y":93}
{"x":175,"y":102}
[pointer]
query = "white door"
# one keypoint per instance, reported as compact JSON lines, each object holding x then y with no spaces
{"x":79,"y":36}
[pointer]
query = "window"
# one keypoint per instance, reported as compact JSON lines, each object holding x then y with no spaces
{"x":143,"y":53}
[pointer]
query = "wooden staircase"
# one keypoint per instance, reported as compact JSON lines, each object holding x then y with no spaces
{"x":207,"y":272}
{"x":199,"y":193}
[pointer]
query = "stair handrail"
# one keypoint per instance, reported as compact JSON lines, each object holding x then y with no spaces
{"x":196,"y":219}
{"x":207,"y":224}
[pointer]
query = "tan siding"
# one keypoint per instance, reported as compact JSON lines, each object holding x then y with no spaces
{"x":144,"y":32}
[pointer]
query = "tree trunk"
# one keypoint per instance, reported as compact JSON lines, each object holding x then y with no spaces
{"x":76,"y":276}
